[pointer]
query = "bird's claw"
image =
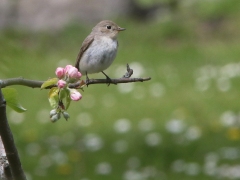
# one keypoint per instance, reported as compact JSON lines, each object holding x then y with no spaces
{"x":109,"y":80}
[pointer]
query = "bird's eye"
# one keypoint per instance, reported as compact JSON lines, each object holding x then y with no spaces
{"x":109,"y":27}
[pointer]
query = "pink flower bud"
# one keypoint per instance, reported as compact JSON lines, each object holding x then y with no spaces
{"x":75,"y":95}
{"x":79,"y":75}
{"x":61,"y":83}
{"x":59,"y":72}
{"x":67,"y":68}
{"x":73,"y":72}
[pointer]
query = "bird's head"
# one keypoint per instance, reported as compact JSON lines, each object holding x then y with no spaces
{"x":107,"y":28}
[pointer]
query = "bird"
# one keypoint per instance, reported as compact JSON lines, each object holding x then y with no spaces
{"x":99,"y":49}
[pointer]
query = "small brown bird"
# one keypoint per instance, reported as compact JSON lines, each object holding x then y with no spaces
{"x":99,"y":49}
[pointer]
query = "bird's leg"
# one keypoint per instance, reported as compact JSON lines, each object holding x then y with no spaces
{"x":87,"y":79}
{"x":109,"y":80}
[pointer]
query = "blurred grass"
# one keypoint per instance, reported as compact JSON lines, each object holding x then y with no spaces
{"x":172,"y":52}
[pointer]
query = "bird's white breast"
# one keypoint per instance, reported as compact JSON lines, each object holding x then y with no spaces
{"x":99,"y":55}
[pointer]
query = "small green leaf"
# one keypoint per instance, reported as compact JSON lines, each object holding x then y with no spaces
{"x":68,"y":100}
{"x":10,"y":95}
{"x":53,"y":97}
{"x":62,"y":94}
{"x":49,"y":82}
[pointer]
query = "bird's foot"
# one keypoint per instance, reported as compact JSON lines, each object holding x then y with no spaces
{"x":109,"y":80}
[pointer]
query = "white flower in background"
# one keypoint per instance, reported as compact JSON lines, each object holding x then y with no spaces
{"x":175,"y":126}
{"x":122,"y":125}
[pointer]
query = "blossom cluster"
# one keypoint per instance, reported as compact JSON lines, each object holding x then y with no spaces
{"x":61,"y":96}
{"x":67,"y":75}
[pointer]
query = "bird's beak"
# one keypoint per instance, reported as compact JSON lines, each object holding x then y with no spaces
{"x":120,"y":29}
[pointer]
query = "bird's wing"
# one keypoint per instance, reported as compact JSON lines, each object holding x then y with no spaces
{"x":86,"y":43}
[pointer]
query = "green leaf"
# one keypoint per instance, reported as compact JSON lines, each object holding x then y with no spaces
{"x":68,"y":100}
{"x":53,"y":97}
{"x":62,"y":94}
{"x":49,"y":82}
{"x":10,"y":95}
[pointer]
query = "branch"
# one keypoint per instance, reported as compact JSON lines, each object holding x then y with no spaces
{"x":116,"y":81}
{"x":8,"y":142}
{"x":37,"y":84}
{"x":21,"y":81}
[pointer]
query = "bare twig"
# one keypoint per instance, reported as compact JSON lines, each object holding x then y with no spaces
{"x":38,"y":84}
{"x":117,"y":81}
{"x":129,"y":72}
